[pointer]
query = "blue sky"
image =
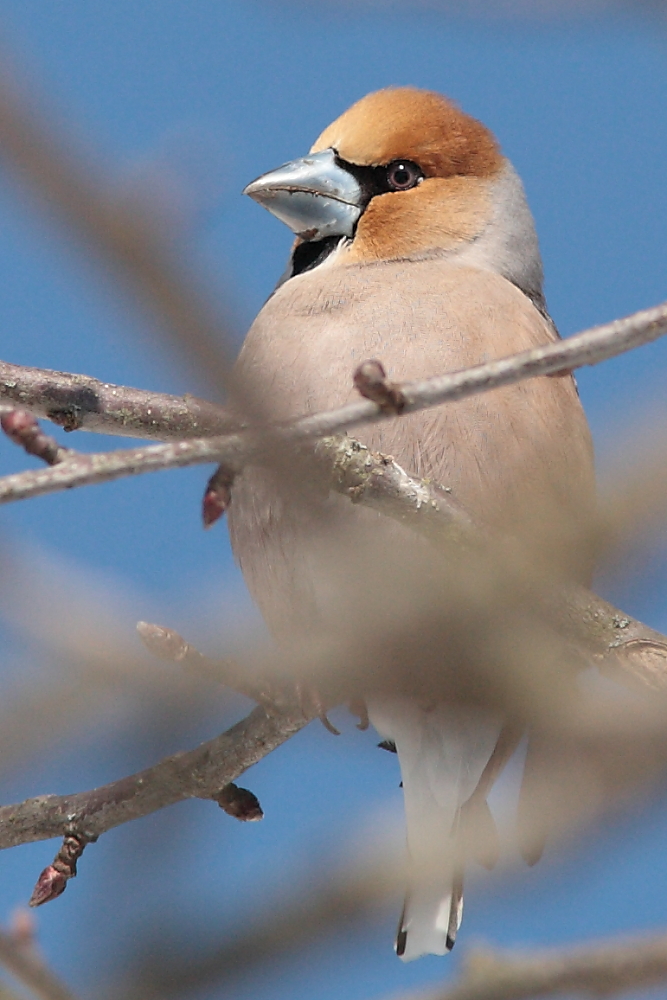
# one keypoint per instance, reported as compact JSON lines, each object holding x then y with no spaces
{"x":211,"y":93}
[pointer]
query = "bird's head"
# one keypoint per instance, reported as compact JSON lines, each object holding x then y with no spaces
{"x":402,"y":172}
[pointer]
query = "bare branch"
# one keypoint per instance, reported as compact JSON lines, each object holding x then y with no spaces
{"x":587,"y":348}
{"x":78,"y":402}
{"x":52,"y":882}
{"x":103,"y":467}
{"x":23,"y":429}
{"x":236,"y":450}
{"x":201,"y":773}
{"x":601,"y":970}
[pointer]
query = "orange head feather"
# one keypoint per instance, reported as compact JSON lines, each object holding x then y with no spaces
{"x":457,"y":155}
{"x":418,"y":125}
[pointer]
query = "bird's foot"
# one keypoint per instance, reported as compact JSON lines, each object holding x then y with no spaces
{"x":359,"y":708}
{"x":312,"y":703}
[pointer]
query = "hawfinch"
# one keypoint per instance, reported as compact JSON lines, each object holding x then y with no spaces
{"x":415,"y":246}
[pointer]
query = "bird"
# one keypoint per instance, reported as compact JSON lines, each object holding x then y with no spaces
{"x":414,"y":245}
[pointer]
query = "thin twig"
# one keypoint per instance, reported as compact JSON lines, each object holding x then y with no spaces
{"x":170,"y":646}
{"x":103,"y":467}
{"x":23,"y":429}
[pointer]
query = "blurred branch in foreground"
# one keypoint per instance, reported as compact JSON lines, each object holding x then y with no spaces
{"x":20,"y":957}
{"x":127,"y":237}
{"x":320,"y":905}
{"x":607,"y":969}
{"x":72,"y":626}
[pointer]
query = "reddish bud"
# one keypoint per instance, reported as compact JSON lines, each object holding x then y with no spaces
{"x":17,"y":424}
{"x":53,"y":880}
{"x":369,"y":373}
{"x":50,"y":884}
{"x":217,"y":496}
{"x":213,"y":507}
{"x":370,"y":380}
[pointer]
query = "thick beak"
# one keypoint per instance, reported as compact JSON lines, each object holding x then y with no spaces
{"x":314,"y":196}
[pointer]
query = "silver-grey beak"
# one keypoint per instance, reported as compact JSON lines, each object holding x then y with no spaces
{"x":314,"y":196}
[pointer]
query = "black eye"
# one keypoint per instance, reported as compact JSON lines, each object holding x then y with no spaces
{"x":403,"y":175}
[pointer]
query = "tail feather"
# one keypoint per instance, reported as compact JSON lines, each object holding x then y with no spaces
{"x":434,"y":910}
{"x":443,"y":751}
{"x":433,"y":919}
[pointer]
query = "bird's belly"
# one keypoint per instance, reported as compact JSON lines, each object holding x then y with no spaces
{"x":505,"y":455}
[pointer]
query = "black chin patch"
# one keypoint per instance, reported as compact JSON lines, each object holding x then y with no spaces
{"x":312,"y":253}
